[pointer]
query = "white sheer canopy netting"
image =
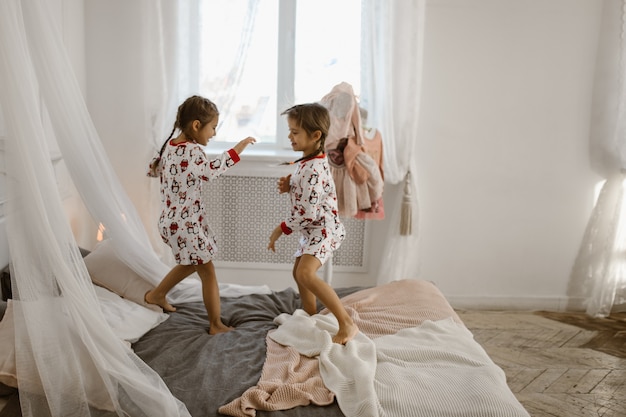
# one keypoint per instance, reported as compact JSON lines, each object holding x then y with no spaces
{"x":68,"y":360}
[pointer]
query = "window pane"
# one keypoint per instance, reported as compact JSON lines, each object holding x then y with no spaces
{"x":239,"y":39}
{"x":239,"y":59}
{"x":328,"y":47}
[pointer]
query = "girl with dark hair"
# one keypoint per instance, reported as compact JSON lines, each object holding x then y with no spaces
{"x":183,"y":167}
{"x":313,"y":213}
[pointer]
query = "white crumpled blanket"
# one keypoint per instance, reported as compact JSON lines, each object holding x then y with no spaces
{"x":436,"y":368}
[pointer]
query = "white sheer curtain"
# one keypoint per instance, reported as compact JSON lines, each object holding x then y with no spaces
{"x":392,"y":55}
{"x":170,"y":48}
{"x":601,"y":261}
{"x":172,"y":54}
{"x":69,"y":362}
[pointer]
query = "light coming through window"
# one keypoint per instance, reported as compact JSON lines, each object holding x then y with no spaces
{"x":261,"y":56}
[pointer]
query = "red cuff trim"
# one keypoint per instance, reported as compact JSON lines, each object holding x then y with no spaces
{"x":286,"y":230}
{"x":234,"y":155}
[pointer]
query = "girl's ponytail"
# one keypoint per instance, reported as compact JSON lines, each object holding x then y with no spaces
{"x":154,"y":164}
{"x":318,"y":151}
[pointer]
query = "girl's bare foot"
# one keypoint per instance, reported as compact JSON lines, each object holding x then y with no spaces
{"x":150,"y":298}
{"x":216,"y":328}
{"x":345,"y":333}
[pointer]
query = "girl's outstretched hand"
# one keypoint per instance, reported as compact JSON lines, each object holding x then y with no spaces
{"x":283,"y":184}
{"x":276,"y":233}
{"x":243,"y":143}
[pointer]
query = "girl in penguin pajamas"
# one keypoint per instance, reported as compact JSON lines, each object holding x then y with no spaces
{"x":313,"y":213}
{"x":183,"y":167}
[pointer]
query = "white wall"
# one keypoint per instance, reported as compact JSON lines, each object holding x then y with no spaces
{"x":505,"y":187}
{"x":504,"y":176}
{"x":115,"y":90}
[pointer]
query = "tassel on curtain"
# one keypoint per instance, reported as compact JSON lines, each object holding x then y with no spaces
{"x":406,"y":213}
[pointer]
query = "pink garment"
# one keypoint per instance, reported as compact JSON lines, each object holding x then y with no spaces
{"x":357,"y":176}
{"x":345,"y":122}
{"x":345,"y":118}
{"x":373,"y":145}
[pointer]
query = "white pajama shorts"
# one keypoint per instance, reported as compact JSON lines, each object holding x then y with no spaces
{"x":319,"y":243}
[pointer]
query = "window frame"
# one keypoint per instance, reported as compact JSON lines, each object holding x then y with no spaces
{"x":285,"y":82}
{"x":286,"y":68}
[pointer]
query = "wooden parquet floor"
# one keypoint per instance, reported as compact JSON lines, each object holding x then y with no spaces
{"x":557,"y":364}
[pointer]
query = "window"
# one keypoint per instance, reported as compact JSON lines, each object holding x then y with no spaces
{"x":261,"y":56}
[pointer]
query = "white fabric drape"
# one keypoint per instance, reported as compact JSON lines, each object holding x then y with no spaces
{"x":91,"y":172}
{"x":601,"y":261}
{"x":170,"y":43}
{"x":69,"y":362}
{"x":173,"y":52}
{"x":392,"y":59}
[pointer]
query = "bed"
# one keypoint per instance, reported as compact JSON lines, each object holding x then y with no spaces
{"x":413,"y":357}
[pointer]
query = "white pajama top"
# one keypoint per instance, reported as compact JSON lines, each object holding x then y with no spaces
{"x":183,"y":223}
{"x":313,"y":210}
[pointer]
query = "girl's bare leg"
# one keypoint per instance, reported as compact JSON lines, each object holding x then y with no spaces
{"x":211,"y":298}
{"x":308,"y":299}
{"x":158,"y":294}
{"x":306,"y":274}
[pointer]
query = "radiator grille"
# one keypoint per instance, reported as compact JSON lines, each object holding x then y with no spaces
{"x":244,"y":210}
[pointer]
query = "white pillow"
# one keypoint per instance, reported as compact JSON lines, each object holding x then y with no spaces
{"x":128,"y":319}
{"x":110,"y":272}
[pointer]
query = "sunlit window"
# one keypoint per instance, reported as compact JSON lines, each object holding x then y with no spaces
{"x":261,"y":56}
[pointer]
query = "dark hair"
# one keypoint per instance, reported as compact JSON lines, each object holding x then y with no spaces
{"x":311,"y":117}
{"x":193,"y":108}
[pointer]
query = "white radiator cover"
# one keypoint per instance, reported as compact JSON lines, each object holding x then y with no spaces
{"x":243,"y":211}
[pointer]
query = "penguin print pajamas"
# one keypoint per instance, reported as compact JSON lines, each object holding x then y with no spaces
{"x":183,"y":223}
{"x":313,"y":211}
